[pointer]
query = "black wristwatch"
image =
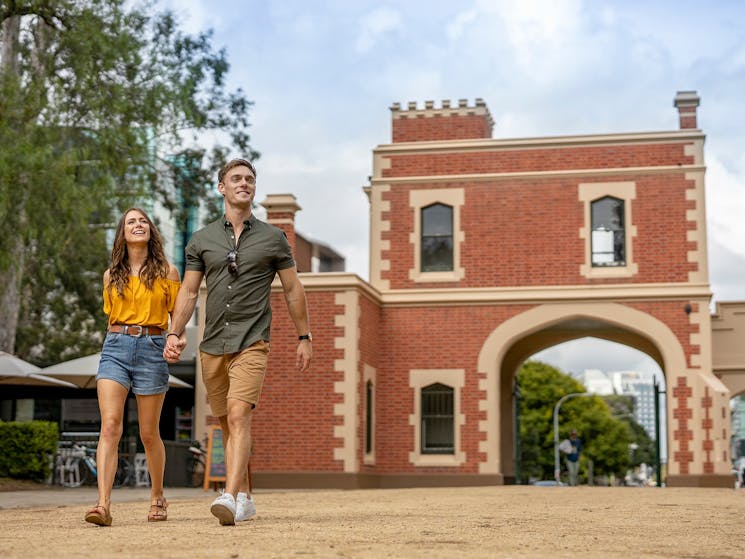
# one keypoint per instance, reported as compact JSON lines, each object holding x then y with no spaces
{"x":307,"y":336}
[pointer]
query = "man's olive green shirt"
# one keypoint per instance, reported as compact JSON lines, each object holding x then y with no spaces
{"x":238,"y":311}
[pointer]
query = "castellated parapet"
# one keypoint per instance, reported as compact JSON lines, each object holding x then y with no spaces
{"x":447,"y":122}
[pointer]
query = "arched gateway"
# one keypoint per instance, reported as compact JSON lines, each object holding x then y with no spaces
{"x":484,"y":251}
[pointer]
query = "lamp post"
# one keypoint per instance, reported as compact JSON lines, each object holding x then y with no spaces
{"x":557,"y":467}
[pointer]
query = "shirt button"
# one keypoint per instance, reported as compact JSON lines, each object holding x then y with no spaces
{"x":228,"y":305}
{"x":230,"y":287}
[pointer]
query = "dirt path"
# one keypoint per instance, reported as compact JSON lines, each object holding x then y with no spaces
{"x":515,"y":521}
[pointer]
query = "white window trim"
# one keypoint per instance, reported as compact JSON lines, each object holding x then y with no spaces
{"x":369,"y":375}
{"x":455,"y":379}
{"x":418,"y":199}
{"x":588,"y":193}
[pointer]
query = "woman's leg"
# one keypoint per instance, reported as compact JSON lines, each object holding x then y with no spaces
{"x":149,"y":408}
{"x":111,"y":399}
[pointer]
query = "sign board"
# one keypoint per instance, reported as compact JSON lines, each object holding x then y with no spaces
{"x":214,"y":467}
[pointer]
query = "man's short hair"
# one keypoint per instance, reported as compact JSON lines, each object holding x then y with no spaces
{"x":234,"y":163}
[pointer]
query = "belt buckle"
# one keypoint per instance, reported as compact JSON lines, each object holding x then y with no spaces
{"x":139,"y":332}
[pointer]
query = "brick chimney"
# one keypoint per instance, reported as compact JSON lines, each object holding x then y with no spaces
{"x":686,"y":102}
{"x":280,"y":212}
{"x":443,"y":123}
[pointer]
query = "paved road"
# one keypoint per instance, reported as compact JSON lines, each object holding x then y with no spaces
{"x":60,"y":496}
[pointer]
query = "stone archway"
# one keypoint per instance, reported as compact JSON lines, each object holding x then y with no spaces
{"x":544,"y":326}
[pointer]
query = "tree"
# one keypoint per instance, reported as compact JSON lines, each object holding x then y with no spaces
{"x":605,"y":439}
{"x":101,"y":106}
{"x":622,"y":408}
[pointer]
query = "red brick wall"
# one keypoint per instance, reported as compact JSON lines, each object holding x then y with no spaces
{"x":454,"y":127}
{"x":538,"y":159}
{"x":430,"y":338}
{"x":672,"y":314}
{"x":293,"y":425}
{"x":526,"y":232}
{"x":371,"y":345}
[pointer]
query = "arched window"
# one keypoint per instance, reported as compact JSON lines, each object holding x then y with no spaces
{"x":438,"y":426}
{"x":608,"y":232}
{"x":437,"y":238}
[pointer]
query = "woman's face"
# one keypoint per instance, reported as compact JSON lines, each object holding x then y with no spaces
{"x":136,"y":228}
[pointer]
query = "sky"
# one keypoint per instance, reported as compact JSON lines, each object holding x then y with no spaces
{"x":323,"y":74}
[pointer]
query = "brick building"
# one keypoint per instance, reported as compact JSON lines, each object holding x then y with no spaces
{"x":483,"y":252}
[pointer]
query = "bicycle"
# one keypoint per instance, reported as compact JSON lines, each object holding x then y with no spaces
{"x":76,"y":465}
{"x":198,"y":459}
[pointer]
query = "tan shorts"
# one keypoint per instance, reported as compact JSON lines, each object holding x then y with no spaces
{"x":234,"y":375}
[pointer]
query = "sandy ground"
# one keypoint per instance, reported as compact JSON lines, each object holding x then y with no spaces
{"x":513,"y":521}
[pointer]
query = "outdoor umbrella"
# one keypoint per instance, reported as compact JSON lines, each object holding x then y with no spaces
{"x":19,"y":372}
{"x":82,"y":372}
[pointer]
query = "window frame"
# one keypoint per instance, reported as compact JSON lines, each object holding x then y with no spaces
{"x":424,"y":237}
{"x":422,"y":378}
{"x":432,"y":390}
{"x":587,"y":194}
{"x":594,"y":229}
{"x":369,"y":376}
{"x":423,"y":198}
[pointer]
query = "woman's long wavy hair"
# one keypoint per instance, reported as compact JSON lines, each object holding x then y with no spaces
{"x":156,"y":265}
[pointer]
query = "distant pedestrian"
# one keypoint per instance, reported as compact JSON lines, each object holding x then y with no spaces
{"x":140,"y":289}
{"x":573,"y":457}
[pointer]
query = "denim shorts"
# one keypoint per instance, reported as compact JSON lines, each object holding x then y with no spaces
{"x":134,"y":362}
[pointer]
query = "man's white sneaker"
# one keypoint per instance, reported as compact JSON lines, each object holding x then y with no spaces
{"x":245,"y":509}
{"x":224,"y":509}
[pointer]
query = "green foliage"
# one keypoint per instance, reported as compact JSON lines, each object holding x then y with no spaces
{"x":605,"y":439}
{"x":104,"y":104}
{"x":622,"y":408}
{"x":26,"y":449}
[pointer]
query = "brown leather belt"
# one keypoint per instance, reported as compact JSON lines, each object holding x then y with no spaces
{"x":135,"y":330}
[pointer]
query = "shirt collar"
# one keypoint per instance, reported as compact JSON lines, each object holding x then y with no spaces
{"x":247,"y":222}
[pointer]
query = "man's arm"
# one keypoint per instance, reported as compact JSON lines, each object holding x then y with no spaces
{"x":298,"y":308}
{"x":186,"y":300}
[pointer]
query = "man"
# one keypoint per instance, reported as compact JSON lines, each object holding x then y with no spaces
{"x":239,"y":257}
{"x":573,"y":457}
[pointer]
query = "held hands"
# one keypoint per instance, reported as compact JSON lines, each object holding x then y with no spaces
{"x":304,"y":354}
{"x":174,"y":347}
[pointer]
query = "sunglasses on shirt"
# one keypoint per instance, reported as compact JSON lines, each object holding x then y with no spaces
{"x":232,"y":264}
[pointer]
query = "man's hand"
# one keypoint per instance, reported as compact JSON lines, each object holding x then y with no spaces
{"x":174,"y":347}
{"x":304,"y":354}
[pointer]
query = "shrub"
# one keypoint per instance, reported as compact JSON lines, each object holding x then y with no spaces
{"x":26,"y":448}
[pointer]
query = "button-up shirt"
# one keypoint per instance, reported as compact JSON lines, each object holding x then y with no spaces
{"x":238,"y":311}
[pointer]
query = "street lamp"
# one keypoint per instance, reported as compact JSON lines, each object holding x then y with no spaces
{"x":557,"y":467}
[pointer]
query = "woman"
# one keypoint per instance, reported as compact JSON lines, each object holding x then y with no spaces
{"x":139,"y":292}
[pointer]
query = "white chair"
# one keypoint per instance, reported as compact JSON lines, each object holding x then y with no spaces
{"x":142,"y":477}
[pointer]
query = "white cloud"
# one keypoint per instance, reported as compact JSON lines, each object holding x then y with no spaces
{"x":457,"y":27}
{"x":593,"y":353}
{"x":544,"y":68}
{"x":375,"y":25}
{"x":193,"y":16}
{"x":725,"y":205}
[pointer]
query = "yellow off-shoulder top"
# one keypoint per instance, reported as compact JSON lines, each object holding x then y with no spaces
{"x":140,"y":305}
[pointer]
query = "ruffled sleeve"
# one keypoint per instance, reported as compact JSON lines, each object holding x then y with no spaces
{"x":171,"y":287}
{"x":106,"y":301}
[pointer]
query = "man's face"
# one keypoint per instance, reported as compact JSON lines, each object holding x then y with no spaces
{"x":238,"y":187}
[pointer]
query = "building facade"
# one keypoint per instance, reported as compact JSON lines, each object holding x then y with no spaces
{"x":483,"y":252}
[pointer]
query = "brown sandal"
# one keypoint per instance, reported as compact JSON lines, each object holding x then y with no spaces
{"x":158,"y":511}
{"x":99,"y":515}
